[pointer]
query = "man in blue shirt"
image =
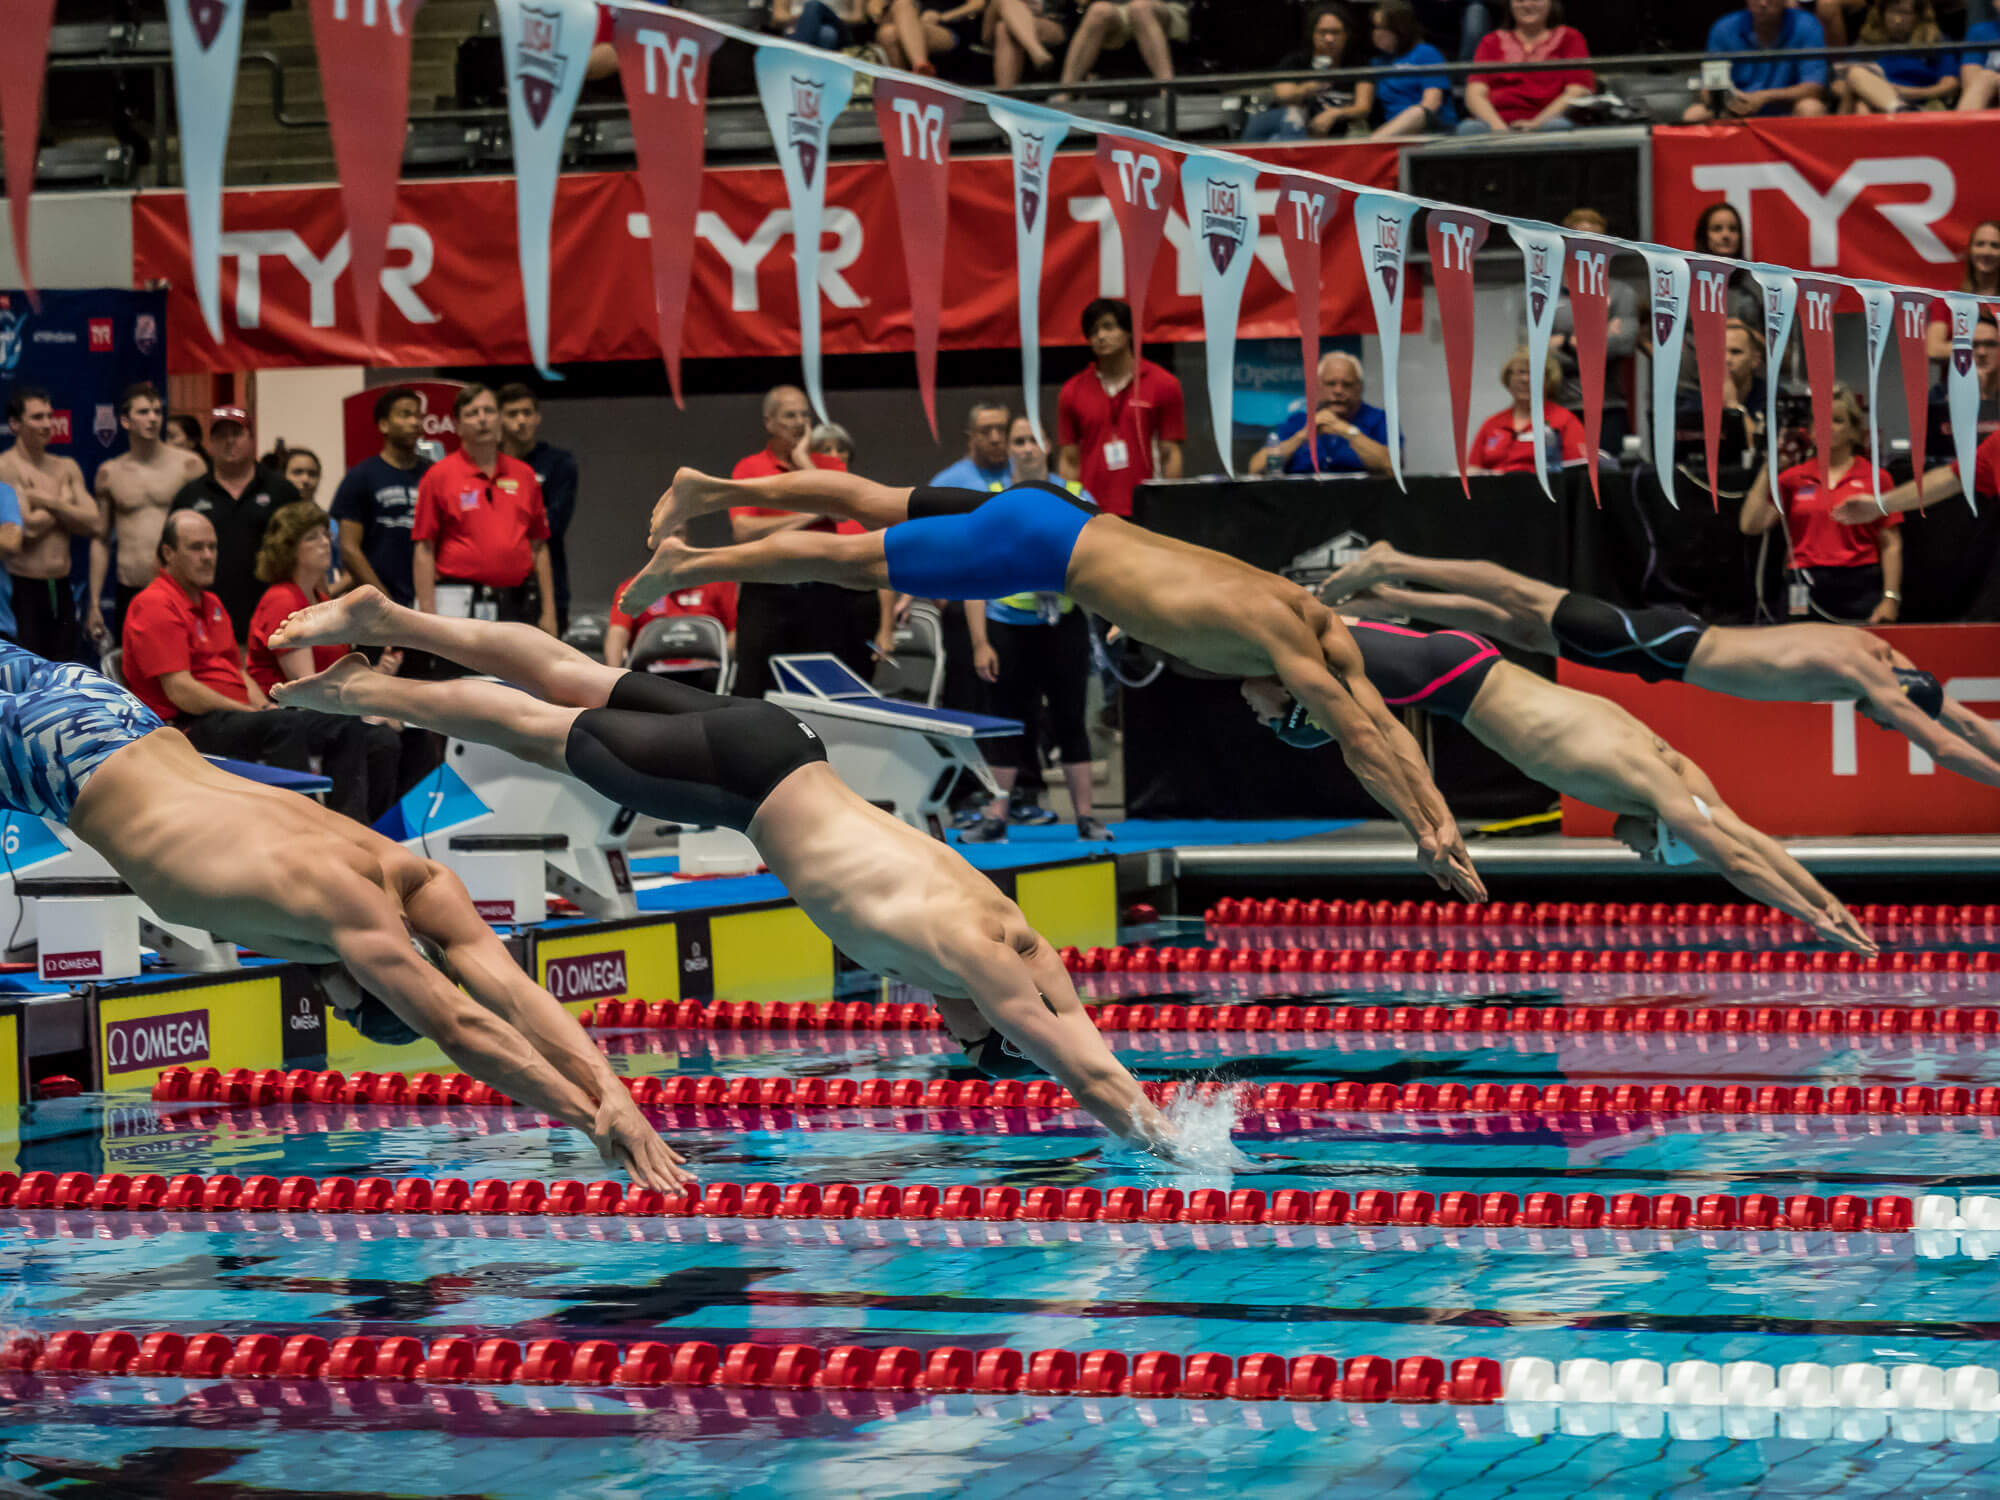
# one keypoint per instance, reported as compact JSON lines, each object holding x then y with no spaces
{"x":985,"y":464}
{"x":1979,"y":66}
{"x":1353,"y":437}
{"x":1772,"y":85}
{"x":376,"y":504}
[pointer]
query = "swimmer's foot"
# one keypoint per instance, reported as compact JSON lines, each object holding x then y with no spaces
{"x":657,"y":579}
{"x":1376,"y":565}
{"x":331,"y":691}
{"x":360,"y":617}
{"x":692,"y":494}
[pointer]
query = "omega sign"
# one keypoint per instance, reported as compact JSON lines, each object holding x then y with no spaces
{"x":592,"y":976}
{"x":157,"y":1041}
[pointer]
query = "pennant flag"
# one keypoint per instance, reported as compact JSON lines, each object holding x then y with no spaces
{"x":1962,"y":390}
{"x":916,"y":140}
{"x":1306,"y":210}
{"x":1817,"y":300}
{"x":1879,"y":303}
{"x":1587,"y":274}
{"x":1781,"y":300}
{"x":1455,"y":238}
{"x":1669,"y":277}
{"x":1035,"y":134}
{"x":1912,"y":316}
{"x":1382,"y":226}
{"x":546,"y":46}
{"x":663,"y":64}
{"x":364,"y":69}
{"x":23,"y":64}
{"x":207,"y":37}
{"x":1219,"y":197}
{"x":1709,"y":284}
{"x":1138,"y":179}
{"x":1542,"y":259}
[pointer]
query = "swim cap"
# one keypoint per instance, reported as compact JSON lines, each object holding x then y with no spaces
{"x":995,"y":1056}
{"x":1669,"y":848}
{"x":1923,"y":689}
{"x":1297,"y":729}
{"x":366,"y":1012}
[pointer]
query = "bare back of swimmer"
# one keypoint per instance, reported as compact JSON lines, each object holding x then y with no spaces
{"x":1211,"y":610}
{"x":895,"y":901}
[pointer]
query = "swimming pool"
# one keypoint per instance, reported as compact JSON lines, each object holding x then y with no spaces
{"x":1567,"y":1291}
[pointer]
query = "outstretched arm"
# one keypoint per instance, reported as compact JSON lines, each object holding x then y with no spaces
{"x":1973,"y":728}
{"x":1958,"y":739}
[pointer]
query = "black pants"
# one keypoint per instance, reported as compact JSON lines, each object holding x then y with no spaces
{"x":1844,"y":595}
{"x":45,"y":617}
{"x":361,"y":759}
{"x":1042,"y":664}
{"x":776,"y":619}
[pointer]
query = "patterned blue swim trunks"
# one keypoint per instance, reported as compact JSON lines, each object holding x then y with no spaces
{"x":58,"y":723}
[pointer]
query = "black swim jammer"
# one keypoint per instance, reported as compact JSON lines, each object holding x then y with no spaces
{"x":1653,"y":644}
{"x":1440,"y":671}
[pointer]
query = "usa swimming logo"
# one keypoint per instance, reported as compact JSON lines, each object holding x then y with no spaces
{"x":1388,"y":250}
{"x":1666,"y":307}
{"x":1223,"y":224}
{"x":104,"y":424}
{"x":207,"y":16}
{"x":13,"y":334}
{"x":146,"y":333}
{"x":804,"y":127}
{"x":1961,"y":340}
{"x":1539,"y":280}
{"x":540,"y":65}
{"x":1031,"y":172}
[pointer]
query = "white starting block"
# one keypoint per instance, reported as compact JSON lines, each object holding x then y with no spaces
{"x":505,"y":873}
{"x":904,"y":757}
{"x":86,"y":928}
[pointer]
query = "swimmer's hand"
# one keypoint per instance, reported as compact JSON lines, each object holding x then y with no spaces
{"x":1446,"y":860}
{"x":1837,"y":925}
{"x":624,"y":1139}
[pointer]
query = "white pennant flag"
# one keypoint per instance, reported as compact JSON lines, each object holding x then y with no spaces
{"x":1035,"y":134}
{"x":1962,"y":389}
{"x":1879,"y":303}
{"x":1781,"y":305}
{"x":546,"y":46}
{"x":1669,"y":281}
{"x":1382,"y":225}
{"x":803,"y":94}
{"x":1219,"y":197}
{"x":207,"y":36}
{"x":1542,"y":252}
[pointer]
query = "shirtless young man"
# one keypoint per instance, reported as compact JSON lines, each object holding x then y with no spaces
{"x":134,"y":491}
{"x":1662,"y":643}
{"x":895,"y":901}
{"x":54,"y":507}
{"x":1212,"y":611}
{"x":1582,"y":745}
{"x":279,"y":873}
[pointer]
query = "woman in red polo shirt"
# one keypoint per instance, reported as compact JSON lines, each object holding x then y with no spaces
{"x":294,"y":560}
{"x":1850,"y":574}
{"x":1505,"y":442}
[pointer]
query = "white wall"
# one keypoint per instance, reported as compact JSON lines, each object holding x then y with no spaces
{"x":303,"y":408}
{"x":80,"y":240}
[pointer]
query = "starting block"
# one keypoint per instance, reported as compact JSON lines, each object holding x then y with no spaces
{"x":505,"y":873}
{"x":904,"y":757}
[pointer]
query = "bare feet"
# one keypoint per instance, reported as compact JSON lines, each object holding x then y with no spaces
{"x":657,"y":579}
{"x":360,"y":617}
{"x":1376,"y":565}
{"x":692,"y":494}
{"x":326,"y":691}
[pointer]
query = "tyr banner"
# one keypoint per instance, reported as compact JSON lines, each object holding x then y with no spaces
{"x":451,"y":288}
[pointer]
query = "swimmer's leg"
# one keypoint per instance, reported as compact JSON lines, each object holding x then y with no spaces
{"x":819,"y":492}
{"x":853,"y":562}
{"x":1530,"y":604}
{"x":1457,"y":612}
{"x":488,"y":713}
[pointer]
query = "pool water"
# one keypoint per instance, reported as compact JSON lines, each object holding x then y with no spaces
{"x":1560,"y":1295}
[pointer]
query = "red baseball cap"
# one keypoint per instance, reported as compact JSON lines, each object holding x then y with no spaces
{"x":234,"y":414}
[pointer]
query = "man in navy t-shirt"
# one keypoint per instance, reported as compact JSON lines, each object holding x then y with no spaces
{"x":376,"y":504}
{"x":1353,"y":437}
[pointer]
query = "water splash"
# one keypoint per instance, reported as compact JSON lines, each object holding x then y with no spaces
{"x":1204,"y":1153}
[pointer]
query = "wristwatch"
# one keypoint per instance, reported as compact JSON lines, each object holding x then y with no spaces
{"x":1892,"y":594}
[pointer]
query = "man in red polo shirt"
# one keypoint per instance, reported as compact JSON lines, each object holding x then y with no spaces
{"x":481,"y":535}
{"x":180,"y":659}
{"x":1122,"y":421}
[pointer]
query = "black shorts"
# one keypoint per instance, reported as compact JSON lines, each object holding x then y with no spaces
{"x":1440,"y":671}
{"x":1653,"y":644}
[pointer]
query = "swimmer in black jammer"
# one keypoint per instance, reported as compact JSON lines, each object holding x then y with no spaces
{"x":892,"y":899}
{"x":1221,"y":614}
{"x":1805,"y":663}
{"x":394,"y":935}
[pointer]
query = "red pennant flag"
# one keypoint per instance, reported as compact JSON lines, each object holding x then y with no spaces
{"x":1913,"y":317}
{"x":1455,"y":237}
{"x":1587,"y":275}
{"x":1140,"y":182}
{"x":915,"y":124}
{"x":663,"y":63}
{"x":23,"y":62}
{"x":1817,"y":300}
{"x":364,"y":68}
{"x":1708,"y":294}
{"x":1307,"y":207}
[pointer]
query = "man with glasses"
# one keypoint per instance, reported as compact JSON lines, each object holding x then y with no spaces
{"x":481,"y":537}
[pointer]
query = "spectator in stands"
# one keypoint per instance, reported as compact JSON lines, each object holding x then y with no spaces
{"x":1300,"y":110}
{"x":53,"y":500}
{"x":1034,"y":650}
{"x":184,"y":432}
{"x":1352,"y":436}
{"x":1979,"y":66}
{"x":1527,"y":101}
{"x":1742,"y":445}
{"x":134,"y":491}
{"x":10,"y":547}
{"x":1718,"y":232}
{"x":182,"y":661}
{"x":775,"y":619}
{"x":829,"y":24}
{"x":1408,"y":101}
{"x":985,"y":465}
{"x":1122,"y":421}
{"x":1982,"y":278}
{"x":302,"y":472}
{"x":1889,"y":85}
{"x":1621,"y":338}
{"x":716,"y":600}
{"x":480,"y":537}
{"x":1457,"y":26}
{"x":239,"y":497}
{"x":834,"y":441}
{"x":1505,"y":442}
{"x":1848,"y":574}
{"x":1024,"y":34}
{"x":1986,"y":364}
{"x":376,"y":504}
{"x":1773,"y":85}
{"x":909,"y":36}
{"x":555,"y":471}
{"x":1106,"y":25}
